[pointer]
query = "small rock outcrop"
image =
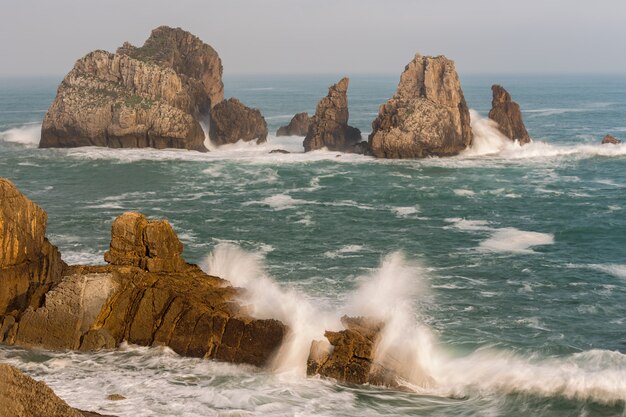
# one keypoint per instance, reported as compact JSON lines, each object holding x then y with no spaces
{"x":329,"y":127}
{"x":232,"y":121}
{"x":610,"y":139}
{"x":427,"y":116}
{"x":350,"y":356}
{"x":298,"y":126}
{"x":507,"y":114}
{"x":22,"y":396}
{"x":146,"y":295}
{"x":152,"y":96}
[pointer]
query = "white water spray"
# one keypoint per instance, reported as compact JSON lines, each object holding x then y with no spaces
{"x":409,"y":347}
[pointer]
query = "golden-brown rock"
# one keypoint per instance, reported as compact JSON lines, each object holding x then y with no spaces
{"x":22,"y":396}
{"x":153,"y":96}
{"x":329,"y":127}
{"x":507,"y":114}
{"x":232,"y":121}
{"x":298,"y":126}
{"x":610,"y":139}
{"x":427,"y":116}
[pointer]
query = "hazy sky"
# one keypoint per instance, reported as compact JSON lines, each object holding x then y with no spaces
{"x":334,"y":36}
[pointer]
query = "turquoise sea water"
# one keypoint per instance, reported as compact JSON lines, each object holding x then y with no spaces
{"x":506,"y":264}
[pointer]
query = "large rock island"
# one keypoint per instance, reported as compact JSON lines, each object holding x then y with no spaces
{"x":154,"y":96}
{"x":427,"y":116}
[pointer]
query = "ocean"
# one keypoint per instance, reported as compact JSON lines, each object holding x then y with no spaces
{"x":501,"y":272}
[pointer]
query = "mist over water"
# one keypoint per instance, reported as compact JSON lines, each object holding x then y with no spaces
{"x":499,"y":274}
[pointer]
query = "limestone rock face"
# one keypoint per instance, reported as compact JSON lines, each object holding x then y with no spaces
{"x":611,"y":140}
{"x":350,"y":357}
{"x":232,"y":121}
{"x":186,"y":54}
{"x":147,"y":294}
{"x":150,"y":245}
{"x":22,"y":396}
{"x":29,"y":264}
{"x":427,"y":116}
{"x":151,"y":96}
{"x":506,"y":113}
{"x":298,"y":126}
{"x":329,"y":127}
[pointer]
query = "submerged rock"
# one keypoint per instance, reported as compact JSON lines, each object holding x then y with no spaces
{"x":329,"y":127}
{"x":232,"y":121}
{"x":279,"y":151}
{"x":298,"y":126}
{"x":147,"y":294}
{"x":427,"y":116}
{"x":610,"y":139}
{"x":22,"y":396}
{"x":153,"y":96}
{"x":507,"y":114}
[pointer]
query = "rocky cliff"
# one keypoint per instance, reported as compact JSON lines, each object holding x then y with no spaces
{"x":507,"y":114}
{"x":153,"y":96}
{"x":427,"y":116}
{"x":146,"y":295}
{"x":329,"y":127}
{"x":232,"y":121}
{"x":298,"y":126}
{"x":22,"y":396}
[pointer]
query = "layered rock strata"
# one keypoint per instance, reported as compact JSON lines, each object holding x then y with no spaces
{"x":153,"y":96}
{"x":427,"y":116}
{"x":298,"y":126}
{"x":146,"y":295}
{"x":22,"y":396}
{"x":329,"y":127}
{"x":507,"y":114}
{"x":232,"y":121}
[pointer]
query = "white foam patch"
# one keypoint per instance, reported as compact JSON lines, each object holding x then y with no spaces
{"x":471,"y":225}
{"x":463,"y":192}
{"x":28,"y":135}
{"x":282,"y":202}
{"x":347,"y":251}
{"x":510,"y":239}
{"x":617,"y":270}
{"x":405,"y":211}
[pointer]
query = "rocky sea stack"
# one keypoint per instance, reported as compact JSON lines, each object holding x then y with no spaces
{"x":610,"y":139}
{"x":298,"y":126}
{"x":507,"y":114}
{"x":232,"y":121}
{"x":427,"y":116}
{"x":152,"y":96}
{"x":329,"y":127}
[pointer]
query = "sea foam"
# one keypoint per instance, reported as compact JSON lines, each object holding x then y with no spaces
{"x":27,"y":135}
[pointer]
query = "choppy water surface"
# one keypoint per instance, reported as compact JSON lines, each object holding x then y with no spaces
{"x":503,"y":269}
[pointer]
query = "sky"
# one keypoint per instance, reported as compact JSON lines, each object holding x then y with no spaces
{"x":46,"y":37}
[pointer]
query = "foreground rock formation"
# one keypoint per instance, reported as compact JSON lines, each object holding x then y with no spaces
{"x":329,"y":127}
{"x":147,"y":294}
{"x":153,"y":96}
{"x":610,"y":139}
{"x":22,"y":396}
{"x":298,"y":126}
{"x":232,"y":121}
{"x":507,"y":114}
{"x":427,"y":116}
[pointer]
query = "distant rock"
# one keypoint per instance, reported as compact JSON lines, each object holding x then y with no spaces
{"x":232,"y":121}
{"x":298,"y":126}
{"x":427,"y":116}
{"x":611,"y":139}
{"x":506,"y":113}
{"x":152,"y":96}
{"x":22,"y":396}
{"x":147,"y":294}
{"x":329,"y":127}
{"x":279,"y":151}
